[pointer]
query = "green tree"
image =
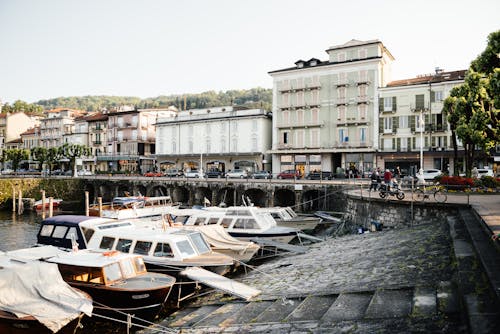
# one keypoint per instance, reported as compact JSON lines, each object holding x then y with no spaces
{"x":16,"y":155}
{"x":40,"y":154}
{"x":472,"y":108}
{"x":19,"y":106}
{"x":74,"y":151}
{"x":54,"y":154}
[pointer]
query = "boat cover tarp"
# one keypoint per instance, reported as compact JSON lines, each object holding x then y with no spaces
{"x":217,"y":236}
{"x":37,"y":289}
{"x":220,"y":282}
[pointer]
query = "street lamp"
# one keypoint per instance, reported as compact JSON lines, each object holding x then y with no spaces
{"x":422,"y":124}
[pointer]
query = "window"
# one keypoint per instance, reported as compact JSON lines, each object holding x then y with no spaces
{"x":403,"y":122}
{"x":314,"y":138}
{"x":72,"y":234}
{"x":300,"y":138}
{"x":163,"y":250}
{"x":59,"y":232}
{"x":200,"y":243}
{"x":254,"y":125}
{"x":419,"y":123}
{"x":46,"y":230}
{"x":419,"y":101}
{"x":387,"y":125}
{"x":245,"y":223}
{"x":362,"y":53}
{"x":286,"y":134}
{"x":343,"y":136}
{"x":112,"y":272}
{"x":107,"y":243}
{"x":363,"y":75}
{"x":404,"y":144}
{"x":300,"y":117}
{"x":286,"y":117}
{"x":341,"y":111}
{"x":314,"y":116}
{"x":185,"y":248}
{"x":341,"y":56}
{"x":128,"y":268}
{"x":388,"y":144}
{"x":142,"y":247}
{"x":387,"y":103}
{"x":123,"y":245}
{"x":362,"y":135}
{"x":438,"y":96}
{"x":341,"y":93}
{"x":362,"y":111}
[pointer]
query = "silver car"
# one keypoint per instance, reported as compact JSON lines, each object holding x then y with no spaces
{"x":237,"y":173}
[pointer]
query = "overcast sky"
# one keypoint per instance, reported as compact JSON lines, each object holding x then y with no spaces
{"x":146,"y":48}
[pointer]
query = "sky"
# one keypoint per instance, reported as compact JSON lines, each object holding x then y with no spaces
{"x":146,"y":48}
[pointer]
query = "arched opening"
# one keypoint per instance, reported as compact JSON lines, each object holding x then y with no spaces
{"x":180,"y":194}
{"x":140,"y":190}
{"x":200,"y":194}
{"x":284,"y":197}
{"x":311,"y":200}
{"x":166,"y":165}
{"x":158,"y":191}
{"x":226,"y":196}
{"x":123,"y":190}
{"x":257,"y":196}
{"x":250,"y":166}
{"x":105,"y":192}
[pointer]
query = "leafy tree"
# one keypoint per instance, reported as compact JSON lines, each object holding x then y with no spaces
{"x":74,"y":151}
{"x":54,"y":154}
{"x":472,"y":108}
{"x":40,"y":154}
{"x":16,"y":155}
{"x":22,"y":106}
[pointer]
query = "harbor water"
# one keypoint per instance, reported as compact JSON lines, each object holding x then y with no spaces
{"x":18,"y":231}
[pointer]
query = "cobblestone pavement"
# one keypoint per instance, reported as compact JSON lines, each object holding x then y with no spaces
{"x":381,"y":260}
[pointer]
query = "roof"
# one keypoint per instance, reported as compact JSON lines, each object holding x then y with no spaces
{"x":433,"y":78}
{"x":71,"y":220}
{"x":98,"y":116}
{"x":30,"y":131}
{"x":353,"y":43}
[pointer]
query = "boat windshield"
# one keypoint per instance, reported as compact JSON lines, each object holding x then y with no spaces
{"x":200,"y":243}
{"x":185,"y":248}
{"x":128,"y":268}
{"x":290,"y":211}
{"x":112,"y":272}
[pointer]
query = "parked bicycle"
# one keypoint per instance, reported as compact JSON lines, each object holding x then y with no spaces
{"x":436,"y":191}
{"x":386,"y":191}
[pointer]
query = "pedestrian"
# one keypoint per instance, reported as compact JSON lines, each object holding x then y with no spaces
{"x":388,"y":179}
{"x":375,"y":177}
{"x":397,"y":173}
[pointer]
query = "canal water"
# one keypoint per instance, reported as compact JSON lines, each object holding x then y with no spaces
{"x":18,"y":231}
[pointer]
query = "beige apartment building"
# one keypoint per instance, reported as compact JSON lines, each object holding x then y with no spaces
{"x":57,"y":125}
{"x":325,"y":113}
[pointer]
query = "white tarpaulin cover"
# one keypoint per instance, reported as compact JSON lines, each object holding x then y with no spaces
{"x":217,"y":236}
{"x":37,"y":289}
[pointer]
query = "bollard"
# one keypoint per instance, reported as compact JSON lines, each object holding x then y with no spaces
{"x":86,"y":203}
{"x":51,"y":203}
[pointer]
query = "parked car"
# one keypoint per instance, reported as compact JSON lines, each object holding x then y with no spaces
{"x":262,"y":174}
{"x":194,"y":173}
{"x":174,"y":172}
{"x":430,"y":174}
{"x":214,"y":173}
{"x":484,"y":172}
{"x":237,"y":173}
{"x":319,"y":175}
{"x":84,"y":172}
{"x":153,"y":174}
{"x":289,"y":174}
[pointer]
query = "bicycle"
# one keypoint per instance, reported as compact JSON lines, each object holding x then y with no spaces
{"x":420,"y":194}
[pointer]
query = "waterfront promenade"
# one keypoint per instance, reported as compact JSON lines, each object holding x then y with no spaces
{"x":441,"y":276}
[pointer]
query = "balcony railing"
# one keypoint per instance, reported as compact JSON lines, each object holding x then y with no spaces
{"x":353,"y":144}
{"x":300,"y":124}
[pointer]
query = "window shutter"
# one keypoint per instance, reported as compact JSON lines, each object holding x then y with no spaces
{"x":398,"y":144}
{"x":419,"y":102}
{"x":412,"y":123}
{"x":445,"y":141}
{"x":381,"y":125}
{"x":426,"y":141}
{"x":381,"y":104}
{"x":395,"y":123}
{"x":433,"y":96}
{"x":381,"y":143}
{"x":433,"y":141}
{"x":393,"y":143}
{"x":394,"y":103}
{"x":413,"y":142}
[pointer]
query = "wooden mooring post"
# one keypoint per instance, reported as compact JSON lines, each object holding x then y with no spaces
{"x":99,"y":203}
{"x":86,"y":203}
{"x":51,"y":203}
{"x":13,"y":199}
{"x":43,"y":203}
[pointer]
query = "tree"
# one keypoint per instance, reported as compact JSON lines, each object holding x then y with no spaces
{"x":19,"y":106}
{"x":74,"y":151}
{"x":472,"y":108}
{"x":16,"y":155}
{"x":54,"y":154}
{"x":40,"y":154}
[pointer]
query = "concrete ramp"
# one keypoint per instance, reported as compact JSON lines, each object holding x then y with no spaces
{"x":280,"y":245}
{"x":220,"y":282}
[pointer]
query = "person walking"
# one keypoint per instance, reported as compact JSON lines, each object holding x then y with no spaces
{"x":375,"y":177}
{"x":388,"y":179}
{"x":397,"y":173}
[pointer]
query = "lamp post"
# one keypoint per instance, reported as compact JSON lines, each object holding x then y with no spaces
{"x":422,"y":124}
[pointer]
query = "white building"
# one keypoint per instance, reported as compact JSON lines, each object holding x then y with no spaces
{"x":224,"y":138}
{"x":325,"y":113}
{"x":402,"y":136}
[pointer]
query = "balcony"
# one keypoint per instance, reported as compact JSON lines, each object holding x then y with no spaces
{"x":300,"y":106}
{"x":353,"y":144}
{"x":97,"y":142}
{"x":418,"y":107}
{"x":306,"y":87}
{"x":342,"y":83}
{"x":342,"y":101}
{"x":363,"y":81}
{"x":352,"y":121}
{"x":308,"y":124}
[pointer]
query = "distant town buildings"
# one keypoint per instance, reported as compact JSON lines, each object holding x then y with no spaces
{"x":344,"y":115}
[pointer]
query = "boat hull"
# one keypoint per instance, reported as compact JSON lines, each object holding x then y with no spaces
{"x":11,"y":324}
{"x":300,"y":223}
{"x":279,"y":237}
{"x":144,"y":303}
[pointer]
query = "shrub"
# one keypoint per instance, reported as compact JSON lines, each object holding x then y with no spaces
{"x":457,"y":182}
{"x":489,"y":181}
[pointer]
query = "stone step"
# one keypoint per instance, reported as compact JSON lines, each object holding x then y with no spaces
{"x":390,"y":304}
{"x":220,"y":314}
{"x":348,"y":306}
{"x":312,"y":308}
{"x":448,"y":301}
{"x":194,"y":316}
{"x":424,"y":302}
{"x":247,"y":313}
{"x":279,"y":310}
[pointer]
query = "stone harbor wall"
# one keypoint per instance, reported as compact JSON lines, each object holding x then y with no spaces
{"x":394,"y":214}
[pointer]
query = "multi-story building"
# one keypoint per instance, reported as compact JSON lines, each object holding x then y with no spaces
{"x":224,"y":138}
{"x":12,"y":125}
{"x":97,"y":140}
{"x":131,"y":139}
{"x":325,"y":113}
{"x":31,"y":139}
{"x":411,"y":120}
{"x":58,"y":126}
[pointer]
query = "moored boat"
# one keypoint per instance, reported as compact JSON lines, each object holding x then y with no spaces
{"x":285,"y":216}
{"x":35,"y":299}
{"x":132,"y":207}
{"x":56,"y":202}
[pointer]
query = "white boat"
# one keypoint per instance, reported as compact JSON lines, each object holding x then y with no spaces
{"x":132,"y":207}
{"x":220,"y":241}
{"x":166,"y":251}
{"x":243,"y":222}
{"x":34,"y":298}
{"x":285,"y":216}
